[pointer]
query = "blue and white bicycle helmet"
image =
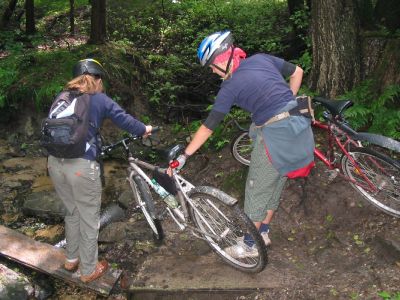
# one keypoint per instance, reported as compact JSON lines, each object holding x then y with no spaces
{"x":213,"y":45}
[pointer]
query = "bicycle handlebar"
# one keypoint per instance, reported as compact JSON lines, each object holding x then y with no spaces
{"x":124,"y":142}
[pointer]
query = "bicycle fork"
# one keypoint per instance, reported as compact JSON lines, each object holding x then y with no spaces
{"x":184,"y":187}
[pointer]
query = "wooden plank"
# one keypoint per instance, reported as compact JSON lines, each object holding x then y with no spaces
{"x":195,"y":273}
{"x":48,"y":259}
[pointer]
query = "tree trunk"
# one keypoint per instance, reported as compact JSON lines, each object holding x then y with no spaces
{"x":294,"y":5}
{"x":98,"y":22}
{"x":30,"y":16}
{"x":72,"y":17}
{"x":8,"y":13}
{"x":336,"y":46}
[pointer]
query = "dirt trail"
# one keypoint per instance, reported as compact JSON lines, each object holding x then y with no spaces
{"x":331,"y":245}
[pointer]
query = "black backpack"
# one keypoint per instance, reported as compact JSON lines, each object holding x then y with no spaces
{"x":64,"y":132}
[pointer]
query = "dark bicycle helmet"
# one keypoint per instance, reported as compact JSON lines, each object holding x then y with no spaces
{"x":213,"y":45}
{"x":88,"y":66}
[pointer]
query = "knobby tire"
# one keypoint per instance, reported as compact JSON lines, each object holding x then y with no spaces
{"x":230,"y":223}
{"x":144,"y":199}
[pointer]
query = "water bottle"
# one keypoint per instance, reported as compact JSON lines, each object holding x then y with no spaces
{"x":167,"y":197}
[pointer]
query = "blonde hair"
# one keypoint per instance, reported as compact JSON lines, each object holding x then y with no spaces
{"x":86,"y":84}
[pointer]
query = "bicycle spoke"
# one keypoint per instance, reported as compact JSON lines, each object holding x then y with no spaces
{"x":225,"y":227}
{"x":381,"y":173}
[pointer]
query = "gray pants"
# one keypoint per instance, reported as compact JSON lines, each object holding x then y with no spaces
{"x":264,"y":184}
{"x":77,"y":182}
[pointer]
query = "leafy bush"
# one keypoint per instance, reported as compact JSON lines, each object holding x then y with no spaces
{"x":374,"y":112}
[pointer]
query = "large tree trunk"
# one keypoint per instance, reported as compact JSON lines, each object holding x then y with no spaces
{"x":7,"y":13}
{"x":72,"y":17}
{"x":30,"y":17}
{"x":98,"y":22}
{"x":336,"y":46}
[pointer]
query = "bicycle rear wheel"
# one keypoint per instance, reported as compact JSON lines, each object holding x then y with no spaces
{"x":144,"y":199}
{"x":224,"y":226}
{"x":382,"y":172}
{"x":241,"y":148}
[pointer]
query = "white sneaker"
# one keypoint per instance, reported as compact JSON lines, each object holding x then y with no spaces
{"x":266,"y":238}
{"x":241,"y":250}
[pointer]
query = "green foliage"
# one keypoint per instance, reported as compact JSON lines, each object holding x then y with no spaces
{"x":388,"y":296}
{"x":305,"y":62}
{"x":8,"y":75}
{"x":169,"y":39}
{"x":164,"y":86}
{"x":158,"y":38}
{"x":55,"y":7}
{"x":375,"y":112}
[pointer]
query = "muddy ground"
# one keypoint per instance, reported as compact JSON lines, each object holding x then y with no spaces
{"x":328,"y":243}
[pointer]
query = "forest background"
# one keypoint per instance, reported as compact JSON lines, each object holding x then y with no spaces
{"x":348,"y":49}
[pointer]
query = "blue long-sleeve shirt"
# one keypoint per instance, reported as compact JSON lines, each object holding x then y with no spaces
{"x":103,"y":107}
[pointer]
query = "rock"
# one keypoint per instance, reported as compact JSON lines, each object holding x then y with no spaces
{"x":42,"y":183}
{"x":113,"y":232}
{"x":126,"y":199}
{"x":43,"y":204}
{"x":50,"y":234}
{"x":29,"y":129}
{"x":10,"y":217}
{"x":14,"y":285}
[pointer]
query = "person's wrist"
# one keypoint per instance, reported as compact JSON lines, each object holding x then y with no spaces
{"x":185,"y":154}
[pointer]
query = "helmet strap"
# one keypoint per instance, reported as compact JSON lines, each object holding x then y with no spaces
{"x":219,"y":68}
{"x":229,"y":60}
{"x":227,"y":65}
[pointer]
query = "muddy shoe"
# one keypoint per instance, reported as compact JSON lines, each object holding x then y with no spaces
{"x":71,"y":264}
{"x":241,"y":250}
{"x":101,"y":268}
{"x":266,"y":238}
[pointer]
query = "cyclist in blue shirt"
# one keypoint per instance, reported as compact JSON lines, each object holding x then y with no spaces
{"x":283,"y":142}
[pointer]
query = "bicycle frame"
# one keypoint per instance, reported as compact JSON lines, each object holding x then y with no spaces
{"x":342,"y":140}
{"x":179,"y":215}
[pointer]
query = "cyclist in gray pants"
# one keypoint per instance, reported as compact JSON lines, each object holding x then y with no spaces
{"x":283,"y":139}
{"x":77,"y":180}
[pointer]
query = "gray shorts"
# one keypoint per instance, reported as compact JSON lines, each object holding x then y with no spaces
{"x":264,"y":184}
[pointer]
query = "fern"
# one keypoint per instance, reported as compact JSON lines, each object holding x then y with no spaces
{"x":387,"y":97}
{"x":378,"y":113}
{"x":359,"y":115}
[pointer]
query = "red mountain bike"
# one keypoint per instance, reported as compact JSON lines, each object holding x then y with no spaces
{"x":374,"y":175}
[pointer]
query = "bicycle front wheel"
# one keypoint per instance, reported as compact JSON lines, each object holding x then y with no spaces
{"x":144,"y":200}
{"x":382,"y":186}
{"x":224,"y":226}
{"x":241,"y":148}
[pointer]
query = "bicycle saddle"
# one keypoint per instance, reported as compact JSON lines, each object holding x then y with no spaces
{"x":335,"y":107}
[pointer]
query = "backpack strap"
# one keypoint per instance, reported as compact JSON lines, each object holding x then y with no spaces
{"x":62,"y":101}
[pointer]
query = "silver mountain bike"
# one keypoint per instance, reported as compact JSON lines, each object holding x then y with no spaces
{"x":204,"y":211}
